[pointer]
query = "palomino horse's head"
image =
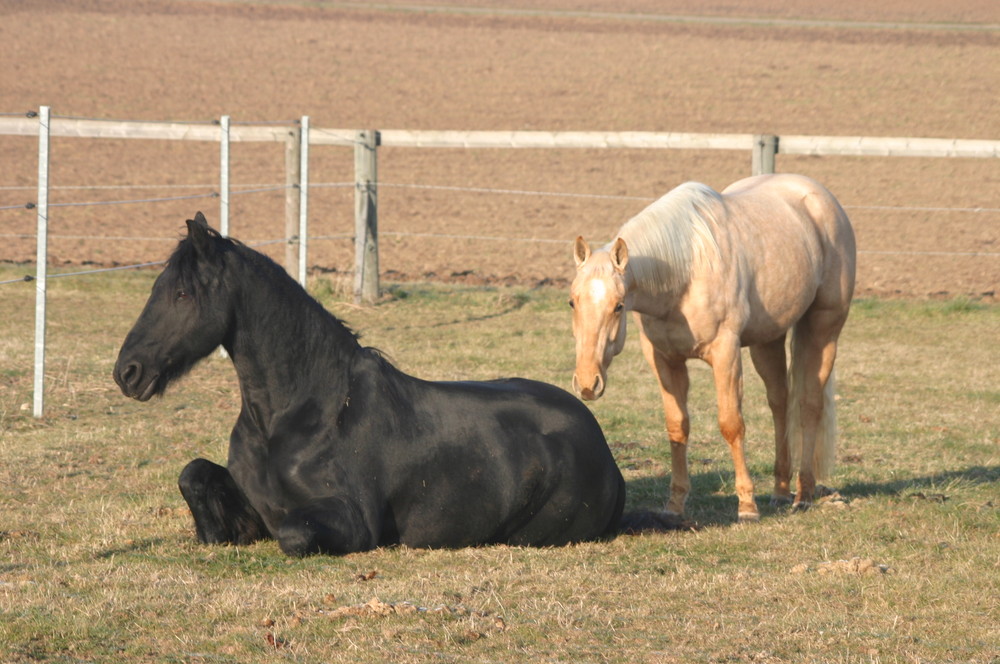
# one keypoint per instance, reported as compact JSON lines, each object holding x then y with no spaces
{"x":598,"y":298}
{"x":185,"y":318}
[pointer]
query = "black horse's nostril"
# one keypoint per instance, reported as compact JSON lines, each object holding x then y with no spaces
{"x":129,"y":374}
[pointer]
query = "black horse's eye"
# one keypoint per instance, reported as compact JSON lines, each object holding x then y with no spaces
{"x":181,"y":294}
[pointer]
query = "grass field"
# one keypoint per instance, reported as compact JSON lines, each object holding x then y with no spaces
{"x":98,"y":560}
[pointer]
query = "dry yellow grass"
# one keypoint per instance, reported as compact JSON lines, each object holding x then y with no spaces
{"x":98,"y":560}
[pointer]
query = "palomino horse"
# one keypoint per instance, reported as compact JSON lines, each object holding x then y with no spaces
{"x":707,"y":273}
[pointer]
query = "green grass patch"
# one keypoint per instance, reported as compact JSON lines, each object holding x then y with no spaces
{"x":98,"y":559}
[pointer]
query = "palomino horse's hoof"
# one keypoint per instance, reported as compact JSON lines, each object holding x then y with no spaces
{"x":748,"y":517}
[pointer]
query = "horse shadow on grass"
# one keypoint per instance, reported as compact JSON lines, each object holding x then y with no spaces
{"x":130,"y":547}
{"x":711,"y":503}
{"x":937,"y":483}
{"x":712,"y":500}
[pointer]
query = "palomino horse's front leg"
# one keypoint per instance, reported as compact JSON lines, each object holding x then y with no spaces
{"x":673,"y":378}
{"x":727,"y":367}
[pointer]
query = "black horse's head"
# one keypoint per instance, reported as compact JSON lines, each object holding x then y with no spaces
{"x":186,"y":317}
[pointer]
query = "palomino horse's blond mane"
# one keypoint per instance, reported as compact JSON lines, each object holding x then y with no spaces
{"x":666,"y":239}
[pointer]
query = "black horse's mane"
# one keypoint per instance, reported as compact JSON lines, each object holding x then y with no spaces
{"x":185,"y":261}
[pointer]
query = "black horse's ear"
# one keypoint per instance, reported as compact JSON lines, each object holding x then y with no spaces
{"x":200,"y":234}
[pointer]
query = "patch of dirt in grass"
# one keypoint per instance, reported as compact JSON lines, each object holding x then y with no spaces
{"x":854,"y":566}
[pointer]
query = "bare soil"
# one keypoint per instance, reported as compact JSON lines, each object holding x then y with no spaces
{"x":926,"y":227}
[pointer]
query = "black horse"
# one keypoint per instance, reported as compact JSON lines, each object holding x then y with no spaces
{"x":335,"y":450}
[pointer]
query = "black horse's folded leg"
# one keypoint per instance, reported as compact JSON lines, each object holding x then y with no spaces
{"x":331,"y":525}
{"x":222,"y":514}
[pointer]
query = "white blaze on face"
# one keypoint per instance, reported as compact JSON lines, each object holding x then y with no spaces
{"x":598,"y":290}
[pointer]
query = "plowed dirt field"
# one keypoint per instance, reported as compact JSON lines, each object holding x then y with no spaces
{"x":921,"y":68}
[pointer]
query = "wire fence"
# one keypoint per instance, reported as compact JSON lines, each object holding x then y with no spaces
{"x":763,"y":149}
{"x":270,"y":188}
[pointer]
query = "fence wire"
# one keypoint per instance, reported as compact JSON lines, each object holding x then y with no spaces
{"x":267,"y":188}
{"x":135,"y":266}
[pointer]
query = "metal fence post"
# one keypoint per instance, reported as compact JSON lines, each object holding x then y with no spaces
{"x":42,"y":259}
{"x":765,"y":146}
{"x":224,"y":176}
{"x":224,"y":187}
{"x":366,"y":285}
{"x":303,"y":198}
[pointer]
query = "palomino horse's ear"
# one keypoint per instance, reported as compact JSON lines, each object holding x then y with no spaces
{"x":199,"y":233}
{"x":619,"y":255}
{"x":581,"y":251}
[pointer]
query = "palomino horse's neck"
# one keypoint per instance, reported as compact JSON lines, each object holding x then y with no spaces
{"x":670,"y":240}
{"x":653,"y":295}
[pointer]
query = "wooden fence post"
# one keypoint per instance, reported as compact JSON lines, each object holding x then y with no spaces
{"x":366,"y":285}
{"x":293,"y":175}
{"x":765,"y":146}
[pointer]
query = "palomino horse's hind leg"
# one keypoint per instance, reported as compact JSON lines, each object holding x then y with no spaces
{"x":769,"y":361}
{"x":222,"y":514}
{"x":673,"y":378}
{"x":815,"y":348}
{"x":727,"y":367}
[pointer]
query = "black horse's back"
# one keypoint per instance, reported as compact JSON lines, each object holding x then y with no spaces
{"x":335,"y":450}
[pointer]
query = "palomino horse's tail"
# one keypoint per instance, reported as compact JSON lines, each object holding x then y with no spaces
{"x":825,"y":452}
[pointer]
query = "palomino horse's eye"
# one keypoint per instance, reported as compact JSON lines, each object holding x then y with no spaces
{"x":572,"y":305}
{"x":619,"y":307}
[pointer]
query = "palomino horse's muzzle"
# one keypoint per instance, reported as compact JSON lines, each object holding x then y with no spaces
{"x":589,"y":392}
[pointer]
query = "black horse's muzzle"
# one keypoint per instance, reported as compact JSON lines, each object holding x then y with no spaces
{"x":135,"y":381}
